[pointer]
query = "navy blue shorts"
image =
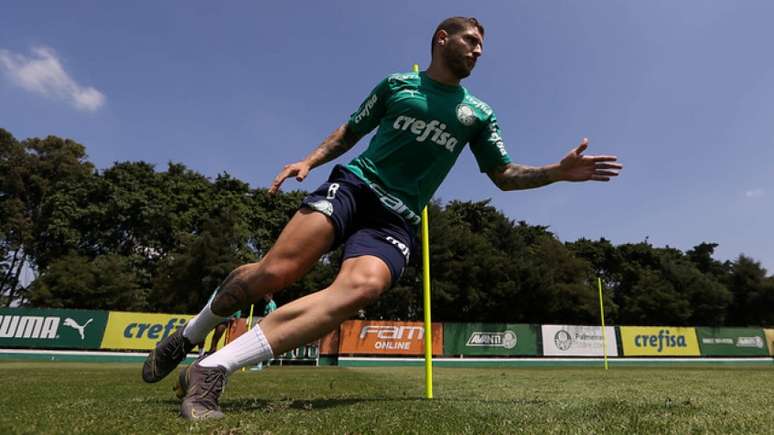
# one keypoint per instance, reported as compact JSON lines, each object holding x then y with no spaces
{"x":363,"y":225}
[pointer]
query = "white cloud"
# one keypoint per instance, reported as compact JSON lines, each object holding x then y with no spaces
{"x":754,"y":193}
{"x":43,"y":74}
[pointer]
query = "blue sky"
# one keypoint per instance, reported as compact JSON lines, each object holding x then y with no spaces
{"x":681,"y":91}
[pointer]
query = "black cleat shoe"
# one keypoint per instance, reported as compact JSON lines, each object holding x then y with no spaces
{"x":165,"y":357}
{"x":203,"y":387}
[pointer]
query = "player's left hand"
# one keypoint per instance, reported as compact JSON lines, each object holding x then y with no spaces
{"x":577,"y":167}
{"x":299,"y":170}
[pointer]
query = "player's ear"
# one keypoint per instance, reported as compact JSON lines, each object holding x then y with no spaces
{"x":441,"y":36}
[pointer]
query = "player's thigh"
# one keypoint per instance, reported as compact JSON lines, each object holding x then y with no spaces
{"x":307,"y":236}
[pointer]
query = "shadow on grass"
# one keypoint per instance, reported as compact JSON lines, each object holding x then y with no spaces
{"x":319,"y":404}
{"x":601,"y":408}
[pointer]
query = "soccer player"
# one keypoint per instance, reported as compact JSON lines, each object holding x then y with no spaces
{"x":370,"y":206}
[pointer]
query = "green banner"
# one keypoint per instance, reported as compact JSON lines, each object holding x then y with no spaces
{"x":732,"y":341}
{"x":492,"y":339}
{"x":51,"y":328}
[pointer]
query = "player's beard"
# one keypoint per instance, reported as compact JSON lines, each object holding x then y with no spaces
{"x":457,"y":63}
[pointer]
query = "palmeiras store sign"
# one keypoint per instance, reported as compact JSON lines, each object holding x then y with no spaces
{"x":572,"y":340}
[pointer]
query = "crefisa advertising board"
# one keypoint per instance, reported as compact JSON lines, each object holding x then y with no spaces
{"x":141,"y":331}
{"x":659,"y":341}
{"x":573,"y":340}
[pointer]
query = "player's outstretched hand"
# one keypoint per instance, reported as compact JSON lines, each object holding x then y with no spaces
{"x":299,"y":170}
{"x":577,"y":167}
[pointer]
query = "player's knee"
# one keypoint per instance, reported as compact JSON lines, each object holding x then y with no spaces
{"x":366,"y":288}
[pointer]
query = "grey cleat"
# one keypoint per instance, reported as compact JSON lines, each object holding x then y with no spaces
{"x":203,"y":387}
{"x":181,"y":386}
{"x":165,"y":357}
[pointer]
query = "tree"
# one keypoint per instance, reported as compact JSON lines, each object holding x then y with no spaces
{"x":14,"y":226}
{"x":753,"y":293}
{"x":187,"y":276}
{"x":663,"y":286}
{"x":606,"y":262}
{"x":30,"y":173}
{"x":132,"y":237}
{"x":108,"y":282}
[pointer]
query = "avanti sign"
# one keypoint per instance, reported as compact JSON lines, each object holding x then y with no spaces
{"x":490,"y":339}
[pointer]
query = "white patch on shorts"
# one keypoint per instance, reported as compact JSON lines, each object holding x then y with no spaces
{"x":323,"y":206}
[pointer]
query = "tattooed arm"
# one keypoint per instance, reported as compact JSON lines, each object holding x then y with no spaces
{"x":514,"y":176}
{"x":573,"y":167}
{"x":339,"y":142}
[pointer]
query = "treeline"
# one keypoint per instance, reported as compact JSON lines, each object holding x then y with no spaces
{"x":133,"y":238}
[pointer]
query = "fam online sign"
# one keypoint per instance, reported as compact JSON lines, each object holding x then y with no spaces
{"x":141,"y":331}
{"x":571,"y":340}
{"x":384,"y":337}
{"x":51,"y":328}
{"x":659,"y":341}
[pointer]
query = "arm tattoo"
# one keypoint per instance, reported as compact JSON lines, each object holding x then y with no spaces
{"x":515,"y":177}
{"x":339,"y":142}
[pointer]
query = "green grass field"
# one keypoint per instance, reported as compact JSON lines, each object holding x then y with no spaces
{"x":111,"y":398}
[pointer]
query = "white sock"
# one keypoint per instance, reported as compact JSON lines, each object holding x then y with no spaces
{"x":248,"y":349}
{"x":197,"y":328}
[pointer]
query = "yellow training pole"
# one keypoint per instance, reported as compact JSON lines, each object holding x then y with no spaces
{"x":428,"y":324}
{"x":250,"y":322}
{"x":602,"y":313}
{"x":426,"y":285}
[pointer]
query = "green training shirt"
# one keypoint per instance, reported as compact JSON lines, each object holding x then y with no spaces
{"x":423,"y":126}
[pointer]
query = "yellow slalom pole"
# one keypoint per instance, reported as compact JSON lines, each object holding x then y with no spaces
{"x":250,"y":321}
{"x":602,"y":313}
{"x":428,"y":324}
{"x":426,"y":292}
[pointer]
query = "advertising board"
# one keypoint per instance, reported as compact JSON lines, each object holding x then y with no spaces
{"x":141,"y":331}
{"x":770,"y":340}
{"x":51,"y":328}
{"x":363,"y":337}
{"x":659,"y":341}
{"x":572,"y":340}
{"x":732,"y":341}
{"x":495,"y":339}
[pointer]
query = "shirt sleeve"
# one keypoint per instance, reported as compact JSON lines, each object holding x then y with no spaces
{"x":488,"y":146}
{"x":368,"y":115}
